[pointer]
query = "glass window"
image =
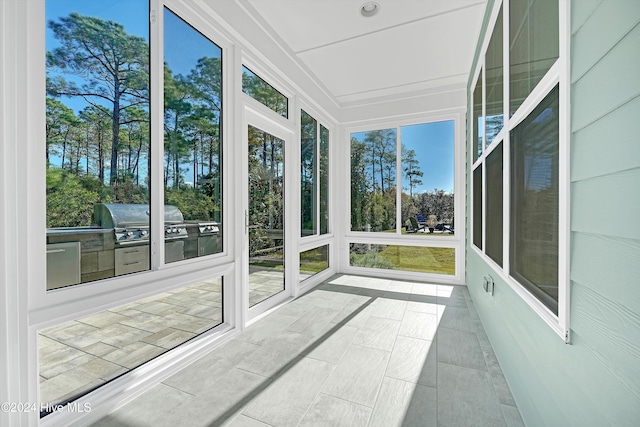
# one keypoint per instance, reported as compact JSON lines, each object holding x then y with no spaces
{"x":494,"y":79}
{"x":324,"y":180}
{"x":428,"y":178}
{"x":77,"y":357}
{"x":477,"y":207}
{"x":192,"y":141}
{"x":535,"y":201}
{"x":314,"y":176}
{"x":308,"y":175}
{"x":409,"y":258}
{"x":534,"y":45}
{"x":373,"y":180}
{"x":478,"y":119}
{"x":494,"y":221}
{"x":313,"y":262}
{"x":266,"y":216}
{"x":263,"y":92}
{"x":97,"y":140}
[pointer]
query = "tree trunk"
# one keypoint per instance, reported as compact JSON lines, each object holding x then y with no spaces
{"x":115,"y":129}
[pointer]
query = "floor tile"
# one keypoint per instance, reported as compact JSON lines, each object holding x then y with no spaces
{"x":354,"y":351}
{"x":244,"y":421}
{"x":50,"y":371}
{"x":423,"y":304}
{"x":401,"y":403}
{"x":313,"y":321}
{"x":133,"y":355}
{"x":269,"y":361}
{"x":234,"y":350}
{"x":388,"y":308}
{"x":378,"y":333}
{"x":287,"y":399}
{"x":105,"y":318}
{"x":330,"y":411}
{"x":413,"y":360}
{"x":263,"y":330}
{"x":466,"y":397}
{"x":66,"y":385}
{"x":333,"y":347}
{"x":456,"y":318}
{"x":419,"y":325}
{"x":224,"y":400}
{"x":168,"y":338}
{"x":512,"y":416}
{"x":497,"y":377}
{"x":159,"y":407}
{"x":121,"y":336}
{"x":200,"y":376}
{"x":460,"y":348}
{"x":358,"y":376}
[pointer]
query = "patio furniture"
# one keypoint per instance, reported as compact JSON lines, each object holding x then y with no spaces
{"x":415,"y":225}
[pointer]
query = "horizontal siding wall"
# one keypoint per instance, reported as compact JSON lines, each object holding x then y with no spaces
{"x":605,"y":217}
{"x":595,"y":380}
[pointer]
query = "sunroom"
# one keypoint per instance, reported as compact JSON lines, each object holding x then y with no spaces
{"x":278,"y":212}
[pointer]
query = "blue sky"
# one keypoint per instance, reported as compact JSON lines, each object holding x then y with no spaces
{"x":433,"y":144}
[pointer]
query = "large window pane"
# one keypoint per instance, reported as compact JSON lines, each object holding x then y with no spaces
{"x":409,"y":258}
{"x":534,"y":45}
{"x":373,"y":180}
{"x":324,"y":180}
{"x":478,"y":119}
{"x":192,"y":113}
{"x":266,"y":215}
{"x":494,"y":221}
{"x":97,"y":139}
{"x":313,"y":262}
{"x":428,"y":178}
{"x":78,"y":356}
{"x":308,"y":174}
{"x":534,"y":201}
{"x":494,"y":80}
{"x":477,"y":207}
{"x":263,"y":92}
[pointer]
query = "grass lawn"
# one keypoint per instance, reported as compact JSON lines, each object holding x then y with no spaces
{"x":409,"y":258}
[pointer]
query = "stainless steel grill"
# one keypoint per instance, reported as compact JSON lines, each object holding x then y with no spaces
{"x":130,"y":222}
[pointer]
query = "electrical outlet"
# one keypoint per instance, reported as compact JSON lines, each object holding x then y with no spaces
{"x":487,"y":284}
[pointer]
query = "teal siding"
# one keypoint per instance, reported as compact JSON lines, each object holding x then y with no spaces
{"x":595,"y":380}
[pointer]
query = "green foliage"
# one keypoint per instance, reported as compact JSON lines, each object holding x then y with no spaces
{"x":69,"y":203}
{"x":194,"y":204}
{"x":263,"y":92}
{"x":371,"y":260}
{"x":112,"y":66}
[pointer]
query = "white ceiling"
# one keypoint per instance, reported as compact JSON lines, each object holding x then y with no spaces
{"x":410,"y":46}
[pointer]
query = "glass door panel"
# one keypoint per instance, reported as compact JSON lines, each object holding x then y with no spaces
{"x":265,"y":216}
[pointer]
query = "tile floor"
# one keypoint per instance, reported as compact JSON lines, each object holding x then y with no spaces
{"x":352,"y":352}
{"x":76,"y":356}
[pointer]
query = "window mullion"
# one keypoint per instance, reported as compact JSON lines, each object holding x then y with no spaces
{"x":506,"y":143}
{"x":316,"y":178}
{"x":156,"y":143}
{"x":399,"y":180}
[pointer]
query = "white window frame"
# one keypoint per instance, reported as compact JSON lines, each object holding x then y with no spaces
{"x":49,"y":308}
{"x":320,"y":122}
{"x":558,"y":74}
{"x":455,"y":242}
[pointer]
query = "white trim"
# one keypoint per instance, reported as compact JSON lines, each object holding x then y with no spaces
{"x":255,"y":114}
{"x":564,"y":243}
{"x":559,"y":73}
{"x":122,"y":390}
{"x":455,"y":241}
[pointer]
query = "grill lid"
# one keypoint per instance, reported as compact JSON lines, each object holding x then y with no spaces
{"x":123,"y":215}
